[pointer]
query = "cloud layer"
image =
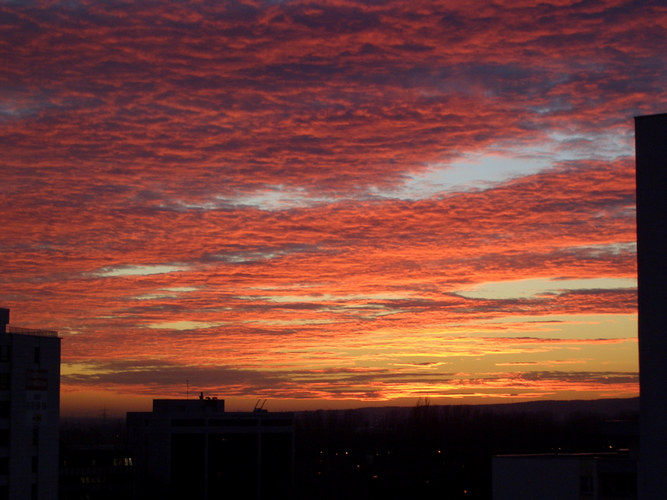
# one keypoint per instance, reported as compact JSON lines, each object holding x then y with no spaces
{"x":227,"y":192}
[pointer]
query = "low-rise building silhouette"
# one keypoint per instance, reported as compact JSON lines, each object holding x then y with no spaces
{"x":568,"y":476}
{"x":29,"y":411}
{"x":194,"y":449}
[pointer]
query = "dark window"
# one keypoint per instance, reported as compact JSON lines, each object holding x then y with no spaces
{"x":188,"y":422}
{"x":4,"y":409}
{"x":4,"y":381}
{"x":37,"y":355}
{"x":586,"y":485}
{"x":37,"y":380}
{"x":232,"y":422}
{"x":188,"y":465}
{"x":277,"y":422}
{"x":5,"y":353}
{"x":276,"y":464}
{"x":35,"y":436}
{"x":232,"y":462}
{"x":4,"y":437}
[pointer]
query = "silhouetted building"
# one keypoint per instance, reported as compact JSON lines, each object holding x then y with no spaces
{"x":610,"y":475}
{"x":651,"y":171}
{"x":29,"y":411}
{"x":194,"y":449}
{"x":575,"y":476}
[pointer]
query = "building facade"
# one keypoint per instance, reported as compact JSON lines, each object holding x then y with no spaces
{"x":194,"y":449}
{"x":29,"y":412}
{"x":651,"y":172}
{"x":569,"y":476}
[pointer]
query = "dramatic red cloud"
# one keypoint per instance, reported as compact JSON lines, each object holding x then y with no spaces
{"x":266,"y":198}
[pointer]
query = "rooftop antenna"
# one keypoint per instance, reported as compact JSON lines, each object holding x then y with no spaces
{"x":259,"y":406}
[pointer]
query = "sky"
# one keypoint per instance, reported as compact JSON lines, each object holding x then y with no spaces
{"x":326,"y":204}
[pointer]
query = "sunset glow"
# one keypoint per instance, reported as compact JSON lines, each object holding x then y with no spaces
{"x":327,"y":203}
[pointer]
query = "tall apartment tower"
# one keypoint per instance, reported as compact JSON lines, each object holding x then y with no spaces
{"x":29,"y":412}
{"x":651,"y":151}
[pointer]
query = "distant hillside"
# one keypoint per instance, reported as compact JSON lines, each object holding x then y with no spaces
{"x":607,"y":408}
{"x":612,"y":408}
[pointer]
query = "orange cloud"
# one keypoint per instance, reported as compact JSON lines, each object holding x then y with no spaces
{"x":267,"y":194}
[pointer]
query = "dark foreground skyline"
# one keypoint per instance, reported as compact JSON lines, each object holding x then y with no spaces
{"x":398,"y":452}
